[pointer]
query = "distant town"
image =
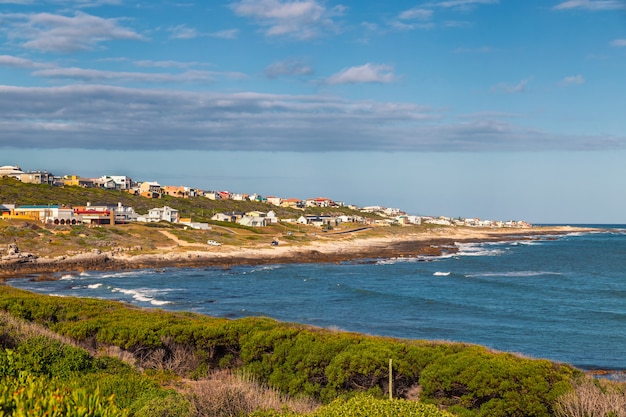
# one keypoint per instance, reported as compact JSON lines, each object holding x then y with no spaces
{"x":107,"y":214}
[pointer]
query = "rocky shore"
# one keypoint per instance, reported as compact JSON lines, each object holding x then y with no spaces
{"x":328,"y":249}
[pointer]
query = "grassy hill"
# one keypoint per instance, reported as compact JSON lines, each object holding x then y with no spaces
{"x":33,"y":237}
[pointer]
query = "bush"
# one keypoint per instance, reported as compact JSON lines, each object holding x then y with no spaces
{"x":43,"y":356}
{"x":37,"y":396}
{"x":593,"y":397}
{"x":298,"y":360}
{"x":366,"y":406}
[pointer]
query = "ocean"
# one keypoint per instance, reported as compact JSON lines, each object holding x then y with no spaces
{"x":559,"y":297}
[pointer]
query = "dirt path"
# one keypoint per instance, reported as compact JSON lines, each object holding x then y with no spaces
{"x":181,"y":242}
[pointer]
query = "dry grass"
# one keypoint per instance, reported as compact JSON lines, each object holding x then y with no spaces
{"x":14,"y":330}
{"x":225,"y":394}
{"x":593,"y":398}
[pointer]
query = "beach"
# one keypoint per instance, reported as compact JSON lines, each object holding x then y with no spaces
{"x":328,"y":247}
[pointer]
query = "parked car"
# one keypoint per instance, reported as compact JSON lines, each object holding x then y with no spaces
{"x":213,"y":243}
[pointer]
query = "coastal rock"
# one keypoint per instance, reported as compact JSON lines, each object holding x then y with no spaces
{"x":12,"y":249}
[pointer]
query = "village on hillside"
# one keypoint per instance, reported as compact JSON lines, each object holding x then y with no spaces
{"x":107,"y":214}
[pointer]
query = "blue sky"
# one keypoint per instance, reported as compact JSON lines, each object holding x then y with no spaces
{"x":501,"y":109}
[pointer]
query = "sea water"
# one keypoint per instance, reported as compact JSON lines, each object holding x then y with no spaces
{"x":557,"y":297}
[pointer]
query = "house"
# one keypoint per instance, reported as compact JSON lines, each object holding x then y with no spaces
{"x":105,"y":214}
{"x":158,"y":214}
{"x":106,"y":183}
{"x":224,"y":195}
{"x":37,"y":177}
{"x":392,"y":212}
{"x":47,"y":214}
{"x":292,"y":203}
{"x":76,"y":181}
{"x":319,"y":221}
{"x":256,"y":197}
{"x":270,"y":217}
{"x":6,"y":208}
{"x":240,"y":197}
{"x":232,"y":216}
{"x":212,"y":195}
{"x":252,"y":221}
{"x":179,"y":192}
{"x":195,"y":225}
{"x":121,"y":182}
{"x":11,"y":171}
{"x":174,"y":191}
{"x":223,"y":217}
{"x":318,"y":202}
{"x":277,"y":201}
{"x":349,"y":219}
{"x":150,"y":189}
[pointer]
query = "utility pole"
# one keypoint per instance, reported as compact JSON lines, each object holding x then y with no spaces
{"x":390,"y":379}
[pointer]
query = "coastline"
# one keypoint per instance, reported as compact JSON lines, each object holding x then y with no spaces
{"x":331,"y":248}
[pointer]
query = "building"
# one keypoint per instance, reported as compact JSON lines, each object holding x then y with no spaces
{"x":252,"y":221}
{"x":76,"y":181}
{"x":11,"y":171}
{"x":150,"y":189}
{"x":47,"y":214}
{"x":121,"y":182}
{"x":105,"y":214}
{"x":158,"y":214}
{"x":37,"y":177}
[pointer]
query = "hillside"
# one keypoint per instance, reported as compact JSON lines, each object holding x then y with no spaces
{"x":178,"y":362}
{"x":200,"y":209}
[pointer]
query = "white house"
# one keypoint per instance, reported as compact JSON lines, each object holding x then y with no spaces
{"x":120,"y":182}
{"x":158,"y":214}
{"x":252,"y":221}
{"x":11,"y":171}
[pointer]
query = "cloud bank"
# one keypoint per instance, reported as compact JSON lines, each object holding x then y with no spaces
{"x":116,"y":118}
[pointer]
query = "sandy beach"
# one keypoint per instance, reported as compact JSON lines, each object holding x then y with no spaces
{"x":326,"y":248}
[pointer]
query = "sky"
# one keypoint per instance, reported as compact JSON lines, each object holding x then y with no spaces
{"x":495,"y":109}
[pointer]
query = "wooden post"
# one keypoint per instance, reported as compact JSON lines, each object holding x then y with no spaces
{"x":390,"y":379}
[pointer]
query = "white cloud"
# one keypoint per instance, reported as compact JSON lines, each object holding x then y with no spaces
{"x":506,"y":88}
{"x":591,"y":5}
{"x":16,"y":62}
{"x":368,"y":73}
{"x":92,"y":75}
{"x":288,"y":67}
{"x":462,"y":4}
{"x":421,"y":17}
{"x":183,"y":32}
{"x":573,"y":80}
{"x":225,"y":34}
{"x":619,"y":42}
{"x":186,"y":32}
{"x":416,"y":13}
{"x":301,"y":19}
{"x":166,"y":64}
{"x":56,"y":33}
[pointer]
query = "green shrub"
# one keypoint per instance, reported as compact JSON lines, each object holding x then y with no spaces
{"x":37,"y":396}
{"x":366,"y":406}
{"x":298,"y":360}
{"x":40,"y":355}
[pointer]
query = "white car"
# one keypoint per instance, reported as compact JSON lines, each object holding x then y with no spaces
{"x":213,"y":243}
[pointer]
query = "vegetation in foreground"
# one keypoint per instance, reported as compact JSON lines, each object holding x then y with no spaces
{"x":102,"y":358}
